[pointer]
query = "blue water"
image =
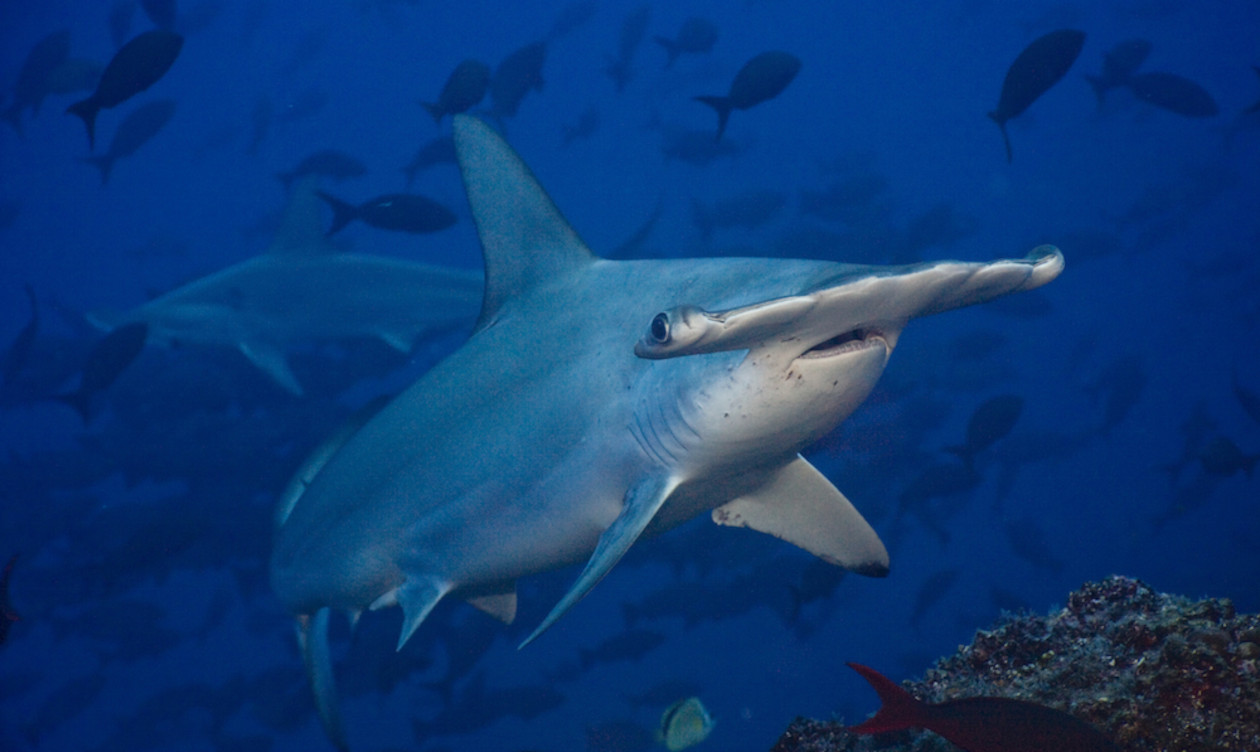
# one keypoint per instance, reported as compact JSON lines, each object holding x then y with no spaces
{"x":147,"y":621}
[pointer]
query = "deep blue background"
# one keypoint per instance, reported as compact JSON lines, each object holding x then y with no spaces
{"x":147,"y":623}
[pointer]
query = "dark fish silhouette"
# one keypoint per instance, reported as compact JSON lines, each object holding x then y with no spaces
{"x":1119,"y":64}
{"x":160,"y":12}
{"x":585,"y":127}
{"x":328,"y":163}
{"x":981,"y":724}
{"x":465,"y":87}
{"x":1222,"y":457}
{"x":1249,"y":400}
{"x":440,"y":150}
{"x":7,"y":615}
{"x":992,"y":420}
{"x":105,"y":363}
{"x":32,"y":82}
{"x":1173,"y":93}
{"x":633,"y":28}
{"x":1255,"y":107}
{"x":696,"y":37}
{"x":20,"y":350}
{"x":1037,"y":68}
{"x":134,"y":68}
{"x":133,"y":132}
{"x":762,"y":78}
{"x":406,"y":212}
{"x":515,"y":77}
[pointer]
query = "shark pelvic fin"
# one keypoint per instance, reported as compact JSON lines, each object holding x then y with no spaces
{"x":801,"y":506}
{"x":639,"y":507}
{"x":417,"y":597}
{"x":501,"y":606}
{"x":300,"y":231}
{"x":272,"y":362}
{"x":312,"y":635}
{"x":525,"y":241}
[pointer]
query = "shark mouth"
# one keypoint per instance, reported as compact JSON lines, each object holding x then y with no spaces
{"x":850,"y":341}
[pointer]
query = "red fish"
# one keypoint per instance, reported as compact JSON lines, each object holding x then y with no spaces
{"x":981,"y":724}
{"x":7,"y":614}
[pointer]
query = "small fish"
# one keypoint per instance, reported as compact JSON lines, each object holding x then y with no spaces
{"x":1040,"y":66}
{"x":464,"y":88}
{"x":585,"y":127}
{"x":1249,"y":400}
{"x":7,"y":615}
{"x":20,"y":350}
{"x":105,"y":363}
{"x":440,"y":150}
{"x":981,"y":724}
{"x":515,"y":77}
{"x":406,"y":212}
{"x":137,"y":66}
{"x":696,"y":37}
{"x":134,"y":131}
{"x":1119,"y":65}
{"x":684,"y":724}
{"x":1222,"y":457}
{"x":32,"y":82}
{"x":992,"y":420}
{"x":633,"y":28}
{"x":1255,"y":107}
{"x":328,"y":163}
{"x":1174,"y":93}
{"x":762,"y":78}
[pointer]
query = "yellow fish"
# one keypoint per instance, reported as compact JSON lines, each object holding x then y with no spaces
{"x":684,"y":724}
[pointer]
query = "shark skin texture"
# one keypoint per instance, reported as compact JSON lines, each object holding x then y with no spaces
{"x":301,"y":291}
{"x":597,"y":401}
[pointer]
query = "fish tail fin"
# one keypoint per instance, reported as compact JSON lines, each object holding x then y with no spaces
{"x":723,"y":107}
{"x":1001,"y":124}
{"x":435,"y":110}
{"x":343,"y":213}
{"x":671,"y":50}
{"x":312,"y":636}
{"x":1100,"y":88}
{"x":899,"y":709}
{"x":103,"y":162}
{"x":80,"y":400}
{"x":86,"y":109}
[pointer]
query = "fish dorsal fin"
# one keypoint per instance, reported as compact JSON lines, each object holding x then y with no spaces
{"x":799,"y":505}
{"x":300,"y":229}
{"x":524,"y":239}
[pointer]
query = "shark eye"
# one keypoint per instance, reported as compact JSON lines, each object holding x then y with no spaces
{"x":660,"y":328}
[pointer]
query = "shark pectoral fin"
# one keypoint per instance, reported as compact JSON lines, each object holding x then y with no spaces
{"x":501,"y":606}
{"x":417,"y":596}
{"x":639,"y":506}
{"x":272,"y":362}
{"x":801,"y":506}
{"x":312,"y":635}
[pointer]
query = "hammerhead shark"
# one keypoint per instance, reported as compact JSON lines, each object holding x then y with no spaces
{"x":303,"y":290}
{"x":597,"y":401}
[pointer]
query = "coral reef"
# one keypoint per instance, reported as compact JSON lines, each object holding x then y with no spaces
{"x":1152,"y":671}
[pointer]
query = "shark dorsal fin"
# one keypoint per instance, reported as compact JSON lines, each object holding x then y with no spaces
{"x":524,"y":239}
{"x":300,"y":229}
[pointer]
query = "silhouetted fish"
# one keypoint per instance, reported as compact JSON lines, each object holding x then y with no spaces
{"x":440,"y":150}
{"x":684,"y":724}
{"x":328,"y":163}
{"x":696,"y":37}
{"x":20,"y":350}
{"x":1173,"y":93}
{"x":1249,"y":400}
{"x":1119,"y":64}
{"x":633,"y":28}
{"x":105,"y":362}
{"x":515,"y":76}
{"x":585,"y":127}
{"x":394,"y":211}
{"x":1037,"y":68}
{"x":992,"y":420}
{"x":464,"y":88}
{"x":7,"y":615}
{"x":133,"y":132}
{"x":1255,"y":107}
{"x":762,"y":78}
{"x":981,"y":724}
{"x":1223,"y":458}
{"x":32,"y":82}
{"x":134,"y":68}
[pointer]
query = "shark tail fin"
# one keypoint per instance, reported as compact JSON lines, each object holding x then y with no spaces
{"x":87,"y":110}
{"x":723,"y":107}
{"x":343,"y":213}
{"x":312,"y":636}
